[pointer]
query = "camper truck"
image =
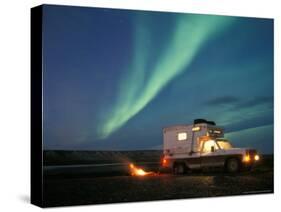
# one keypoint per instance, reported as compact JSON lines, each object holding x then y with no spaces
{"x":202,"y":145}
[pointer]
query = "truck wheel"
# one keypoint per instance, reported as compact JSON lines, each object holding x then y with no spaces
{"x":249,"y":168}
{"x":232,"y":165}
{"x":179,"y":169}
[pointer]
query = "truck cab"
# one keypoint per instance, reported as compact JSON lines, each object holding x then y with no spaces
{"x":202,"y":145}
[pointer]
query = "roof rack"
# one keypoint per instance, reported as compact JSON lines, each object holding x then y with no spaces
{"x":200,"y":121}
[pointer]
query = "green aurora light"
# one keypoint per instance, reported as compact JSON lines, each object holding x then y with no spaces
{"x":140,"y":86}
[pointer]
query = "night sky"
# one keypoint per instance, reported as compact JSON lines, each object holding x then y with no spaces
{"x":114,"y":78}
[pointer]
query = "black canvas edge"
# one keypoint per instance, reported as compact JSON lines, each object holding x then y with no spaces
{"x":36,"y":189}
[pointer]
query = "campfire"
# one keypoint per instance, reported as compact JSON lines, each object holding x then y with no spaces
{"x":135,"y":171}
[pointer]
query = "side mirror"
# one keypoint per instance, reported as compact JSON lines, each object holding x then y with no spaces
{"x":212,"y":148}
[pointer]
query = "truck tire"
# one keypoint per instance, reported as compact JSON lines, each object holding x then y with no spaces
{"x":179,"y":169}
{"x":249,"y":168}
{"x":232,"y":165}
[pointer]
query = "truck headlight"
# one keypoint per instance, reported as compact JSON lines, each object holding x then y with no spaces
{"x":257,"y":157}
{"x":246,"y":158}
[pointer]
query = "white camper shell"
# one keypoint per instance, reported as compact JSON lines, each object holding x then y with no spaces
{"x":186,"y":139}
{"x":202,"y":145}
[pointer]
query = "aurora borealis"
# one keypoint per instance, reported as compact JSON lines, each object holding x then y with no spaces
{"x":114,"y":78}
{"x":188,"y":35}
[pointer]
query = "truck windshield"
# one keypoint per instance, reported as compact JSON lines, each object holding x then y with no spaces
{"x":224,"y":144}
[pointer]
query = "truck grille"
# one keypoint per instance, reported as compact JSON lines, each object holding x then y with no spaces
{"x":252,"y":153}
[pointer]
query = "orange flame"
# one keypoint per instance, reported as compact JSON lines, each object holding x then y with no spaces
{"x":135,"y":171}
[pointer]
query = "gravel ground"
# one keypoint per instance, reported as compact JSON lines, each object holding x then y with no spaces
{"x":97,"y":190}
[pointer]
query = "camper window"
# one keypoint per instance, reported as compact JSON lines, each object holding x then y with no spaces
{"x":182,"y":136}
